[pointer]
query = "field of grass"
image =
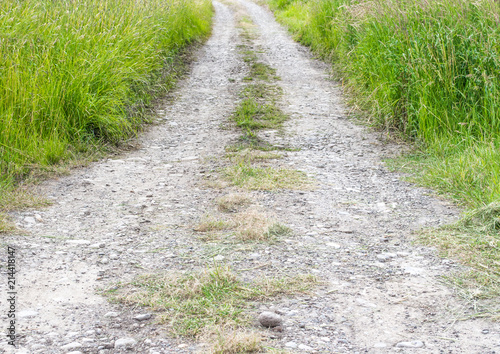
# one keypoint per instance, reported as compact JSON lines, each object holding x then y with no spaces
{"x":426,"y":71}
{"x":77,"y":74}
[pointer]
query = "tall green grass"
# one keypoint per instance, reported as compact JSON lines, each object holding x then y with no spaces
{"x":78,"y":73}
{"x":429,"y":71}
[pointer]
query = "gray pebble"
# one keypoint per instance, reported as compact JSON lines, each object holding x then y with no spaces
{"x":143,"y":317}
{"x":270,"y":319}
{"x":125,"y":343}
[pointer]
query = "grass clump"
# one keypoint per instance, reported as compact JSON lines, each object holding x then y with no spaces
{"x":475,"y":240}
{"x":253,"y":115}
{"x":17,"y":198}
{"x":197,"y":304}
{"x":266,"y":178}
{"x":75,"y":75}
{"x":231,"y":203}
{"x":211,"y":223}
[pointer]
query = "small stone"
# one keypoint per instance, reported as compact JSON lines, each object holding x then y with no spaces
{"x":27,"y":314}
{"x":302,"y":325}
{"x":485,"y":331}
{"x":125,"y":343}
{"x":183,"y":345}
{"x":114,"y":256}
{"x":386,"y":256}
{"x":380,"y":345}
{"x":104,"y":261}
{"x":98,"y":245}
{"x":112,"y":314}
{"x":30,"y":220}
{"x":219,"y":258}
{"x":78,"y":242}
{"x":305,"y":347}
{"x":291,"y":345}
{"x":277,"y":329}
{"x":412,"y":344}
{"x":143,"y":317}
{"x":270,"y":319}
{"x":71,"y":346}
{"x":38,"y":218}
{"x":75,"y":352}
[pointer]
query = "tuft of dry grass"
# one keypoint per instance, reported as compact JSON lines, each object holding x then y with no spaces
{"x":253,"y":225}
{"x":231,"y":203}
{"x":210,"y":223}
{"x":227,"y":340}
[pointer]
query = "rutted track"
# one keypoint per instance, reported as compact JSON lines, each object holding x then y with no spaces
{"x":134,"y":215}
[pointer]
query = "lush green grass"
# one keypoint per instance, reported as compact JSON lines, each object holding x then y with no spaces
{"x":427,"y":71}
{"x":78,"y":73}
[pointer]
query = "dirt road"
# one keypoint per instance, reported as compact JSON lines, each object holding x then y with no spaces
{"x":135,"y":215}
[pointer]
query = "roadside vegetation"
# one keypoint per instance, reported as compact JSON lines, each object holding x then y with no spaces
{"x":76,"y":76}
{"x":426,"y":72}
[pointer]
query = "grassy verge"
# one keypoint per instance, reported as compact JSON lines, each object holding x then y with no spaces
{"x":209,"y":304}
{"x":78,"y":75}
{"x":428,"y":72}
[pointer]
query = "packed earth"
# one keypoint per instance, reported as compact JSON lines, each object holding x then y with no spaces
{"x":349,"y":222}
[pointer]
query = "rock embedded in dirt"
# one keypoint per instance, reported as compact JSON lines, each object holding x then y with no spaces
{"x":412,"y":344}
{"x":111,"y":314}
{"x":270,"y":319}
{"x":305,"y":347}
{"x":125,"y":343}
{"x":143,"y":317}
{"x":71,"y":346}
